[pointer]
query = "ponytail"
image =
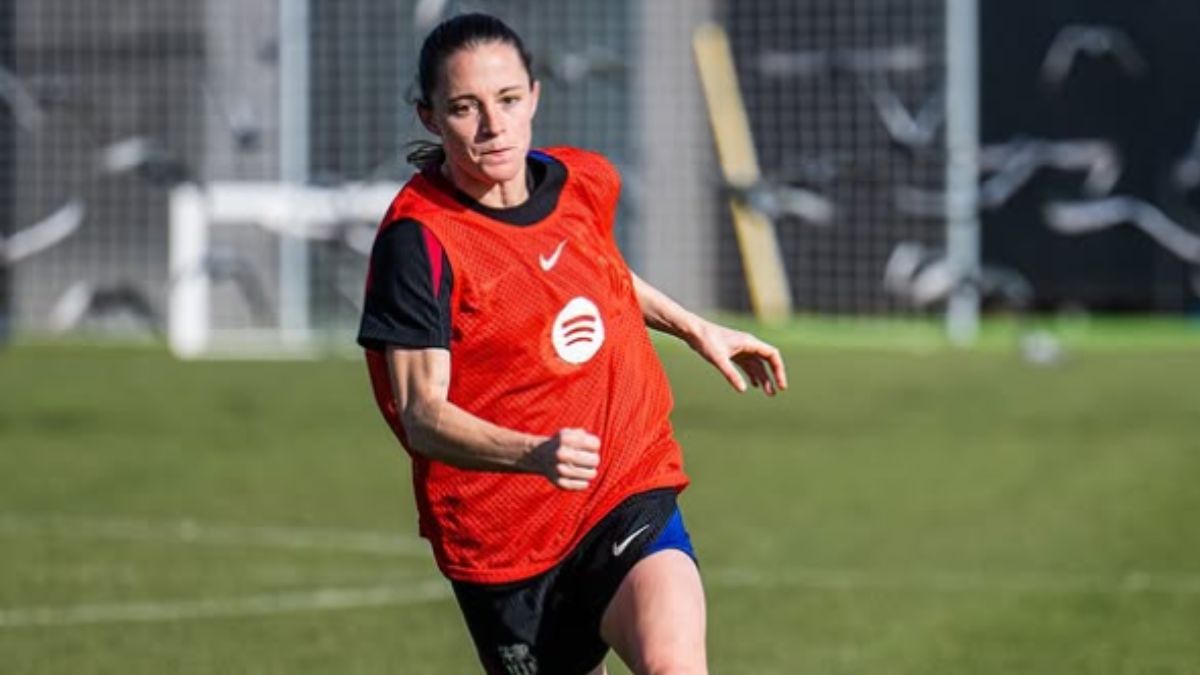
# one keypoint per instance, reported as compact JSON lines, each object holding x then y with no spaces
{"x":422,"y":154}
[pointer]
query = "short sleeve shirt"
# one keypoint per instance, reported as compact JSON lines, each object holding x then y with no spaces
{"x":407,"y":301}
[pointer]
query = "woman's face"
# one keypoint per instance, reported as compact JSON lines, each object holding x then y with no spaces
{"x":483,"y":110}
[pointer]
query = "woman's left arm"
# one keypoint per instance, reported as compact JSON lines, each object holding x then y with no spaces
{"x":723,"y":347}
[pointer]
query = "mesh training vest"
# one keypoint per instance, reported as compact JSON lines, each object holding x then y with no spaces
{"x":546,"y":333}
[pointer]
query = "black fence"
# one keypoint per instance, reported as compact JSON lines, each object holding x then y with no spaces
{"x":1111,"y":70}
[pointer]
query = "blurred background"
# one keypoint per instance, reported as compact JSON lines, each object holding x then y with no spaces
{"x":186,"y":180}
{"x":1085,"y":126}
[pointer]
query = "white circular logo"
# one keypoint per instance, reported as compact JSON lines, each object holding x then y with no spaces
{"x":578,"y":331}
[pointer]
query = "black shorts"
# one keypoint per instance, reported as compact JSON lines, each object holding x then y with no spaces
{"x":550,"y":624}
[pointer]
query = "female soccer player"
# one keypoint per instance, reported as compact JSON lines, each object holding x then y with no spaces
{"x":507,"y":345}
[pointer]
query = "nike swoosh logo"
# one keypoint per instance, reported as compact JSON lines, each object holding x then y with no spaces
{"x":620,"y":547}
{"x":549,"y":263}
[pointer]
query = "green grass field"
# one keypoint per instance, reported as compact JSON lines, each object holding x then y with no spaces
{"x":896,"y":512}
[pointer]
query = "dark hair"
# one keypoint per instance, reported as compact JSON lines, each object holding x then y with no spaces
{"x":450,"y":36}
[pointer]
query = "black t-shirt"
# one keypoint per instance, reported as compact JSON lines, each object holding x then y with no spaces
{"x":402,"y":308}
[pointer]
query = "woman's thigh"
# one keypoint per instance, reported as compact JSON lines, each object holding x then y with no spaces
{"x":656,"y":620}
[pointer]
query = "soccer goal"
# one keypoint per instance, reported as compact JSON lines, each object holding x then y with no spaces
{"x":269,"y":269}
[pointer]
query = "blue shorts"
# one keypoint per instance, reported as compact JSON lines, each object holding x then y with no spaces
{"x":674,"y":536}
{"x":551,"y":623}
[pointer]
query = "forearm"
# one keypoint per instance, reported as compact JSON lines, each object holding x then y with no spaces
{"x":721,"y":346}
{"x":441,"y":430}
{"x":445,"y":432}
{"x":665,"y":315}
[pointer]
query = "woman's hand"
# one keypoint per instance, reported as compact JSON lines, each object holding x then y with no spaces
{"x":725,"y":348}
{"x":570,"y":459}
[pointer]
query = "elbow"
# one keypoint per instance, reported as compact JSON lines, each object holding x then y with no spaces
{"x":419,"y":419}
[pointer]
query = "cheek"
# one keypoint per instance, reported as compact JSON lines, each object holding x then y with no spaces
{"x":454,"y":127}
{"x":518,"y":126}
{"x":457,"y":134}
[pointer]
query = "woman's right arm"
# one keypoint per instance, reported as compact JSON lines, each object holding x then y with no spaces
{"x":440,"y":430}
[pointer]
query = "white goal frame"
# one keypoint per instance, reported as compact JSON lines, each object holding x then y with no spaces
{"x":297,"y":213}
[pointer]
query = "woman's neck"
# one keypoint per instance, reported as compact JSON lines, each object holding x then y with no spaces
{"x":492,"y":195}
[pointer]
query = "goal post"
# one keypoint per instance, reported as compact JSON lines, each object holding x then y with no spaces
{"x":225,"y":292}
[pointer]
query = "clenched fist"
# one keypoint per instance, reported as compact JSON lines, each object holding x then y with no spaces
{"x":569,"y":459}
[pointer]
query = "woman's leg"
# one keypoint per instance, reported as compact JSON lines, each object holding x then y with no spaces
{"x":656,"y":620}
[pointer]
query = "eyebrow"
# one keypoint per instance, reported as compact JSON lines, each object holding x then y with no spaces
{"x":472,"y":97}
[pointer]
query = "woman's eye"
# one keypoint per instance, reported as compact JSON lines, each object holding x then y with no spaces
{"x":509,"y":100}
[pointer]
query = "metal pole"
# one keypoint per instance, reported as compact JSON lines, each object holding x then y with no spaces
{"x":962,"y":167}
{"x":294,"y":74}
{"x":8,"y":166}
{"x":673,"y":229}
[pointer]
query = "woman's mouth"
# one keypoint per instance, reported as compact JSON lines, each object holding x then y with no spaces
{"x":499,"y":152}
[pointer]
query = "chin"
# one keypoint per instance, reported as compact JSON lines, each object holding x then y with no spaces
{"x":501,"y":173}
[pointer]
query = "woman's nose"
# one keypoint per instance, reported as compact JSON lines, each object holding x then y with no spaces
{"x":490,"y":121}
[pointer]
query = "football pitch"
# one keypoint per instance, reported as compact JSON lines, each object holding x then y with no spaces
{"x":896,"y":512}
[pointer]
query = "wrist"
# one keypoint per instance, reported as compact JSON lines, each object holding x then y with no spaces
{"x":529,"y":460}
{"x":691,"y":330}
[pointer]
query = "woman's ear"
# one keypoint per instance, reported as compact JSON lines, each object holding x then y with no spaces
{"x":535,"y":93}
{"x":426,"y":114}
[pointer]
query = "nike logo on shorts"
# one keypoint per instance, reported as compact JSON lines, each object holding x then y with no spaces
{"x":620,"y":547}
{"x":549,"y":263}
